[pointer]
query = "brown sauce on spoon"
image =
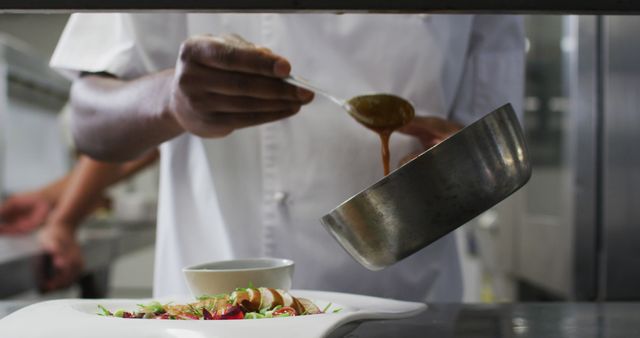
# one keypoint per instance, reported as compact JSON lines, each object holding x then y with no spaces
{"x":382,"y":113}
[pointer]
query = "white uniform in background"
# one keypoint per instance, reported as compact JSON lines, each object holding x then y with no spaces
{"x":261,"y":191}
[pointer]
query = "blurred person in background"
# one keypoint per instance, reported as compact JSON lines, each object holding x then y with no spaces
{"x":58,"y":209}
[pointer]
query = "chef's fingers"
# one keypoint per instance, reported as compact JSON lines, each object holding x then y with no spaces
{"x":237,"y":104}
{"x":220,"y":53}
{"x":67,"y":266}
{"x":21,"y":215}
{"x":436,"y":126}
{"x":237,"y":40}
{"x":240,"y":41}
{"x":37,"y":215}
{"x":6,"y":207}
{"x":195,"y":77}
{"x":243,"y":120}
{"x":12,"y":229}
{"x":430,"y":130}
{"x":18,"y":226}
{"x":220,"y":124}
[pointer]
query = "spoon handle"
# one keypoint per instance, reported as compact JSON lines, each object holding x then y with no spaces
{"x":297,"y":81}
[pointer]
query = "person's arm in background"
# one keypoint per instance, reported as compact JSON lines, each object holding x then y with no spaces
{"x":84,"y":190}
{"x":493,"y":76}
{"x":217,"y":86}
{"x":25,"y":212}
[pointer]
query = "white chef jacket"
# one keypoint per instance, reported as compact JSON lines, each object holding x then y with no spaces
{"x":261,"y":191}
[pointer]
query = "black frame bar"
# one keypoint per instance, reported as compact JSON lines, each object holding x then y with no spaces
{"x":405,"y":6}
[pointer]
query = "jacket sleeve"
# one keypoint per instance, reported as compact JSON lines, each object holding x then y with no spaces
{"x":125,"y":45}
{"x":494,"y":68}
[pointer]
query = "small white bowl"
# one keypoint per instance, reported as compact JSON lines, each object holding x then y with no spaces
{"x":225,"y":276}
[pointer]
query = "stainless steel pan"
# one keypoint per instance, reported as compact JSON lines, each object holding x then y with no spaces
{"x":443,"y":188}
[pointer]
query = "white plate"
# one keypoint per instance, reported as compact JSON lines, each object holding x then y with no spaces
{"x":76,"y":318}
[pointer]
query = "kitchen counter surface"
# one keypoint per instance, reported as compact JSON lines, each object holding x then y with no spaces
{"x":558,"y":320}
{"x":579,"y":320}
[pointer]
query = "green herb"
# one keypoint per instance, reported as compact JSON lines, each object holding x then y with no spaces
{"x":153,"y":307}
{"x":247,"y":288}
{"x":253,"y":315}
{"x":268,"y":314}
{"x":195,"y":311}
{"x":119,"y":313}
{"x":326,"y":308}
{"x":207,"y":297}
{"x":105,"y":312}
{"x":337,"y":310}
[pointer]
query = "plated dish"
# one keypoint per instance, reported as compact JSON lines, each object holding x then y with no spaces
{"x":243,"y":303}
{"x":76,"y":318}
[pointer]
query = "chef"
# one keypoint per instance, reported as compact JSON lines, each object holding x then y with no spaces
{"x":243,"y":173}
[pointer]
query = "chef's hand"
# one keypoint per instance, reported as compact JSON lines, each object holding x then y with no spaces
{"x":23,"y":213}
{"x":59,"y":242}
{"x":429,"y":131}
{"x":225,"y":83}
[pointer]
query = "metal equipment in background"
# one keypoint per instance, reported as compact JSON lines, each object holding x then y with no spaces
{"x":31,"y":96}
{"x":578,"y":233}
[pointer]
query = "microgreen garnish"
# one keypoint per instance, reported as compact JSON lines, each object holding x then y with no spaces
{"x":153,"y":307}
{"x":105,"y":312}
{"x":206,"y":297}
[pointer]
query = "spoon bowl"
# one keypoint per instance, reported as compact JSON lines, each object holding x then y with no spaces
{"x":382,"y":111}
{"x":376,"y":111}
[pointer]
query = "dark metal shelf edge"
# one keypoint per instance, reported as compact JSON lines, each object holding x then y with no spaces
{"x":446,"y":6}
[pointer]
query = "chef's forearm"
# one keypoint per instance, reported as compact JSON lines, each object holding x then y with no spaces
{"x":87,"y":184}
{"x":51,"y":192}
{"x":116,"y":120}
{"x":85,"y":188}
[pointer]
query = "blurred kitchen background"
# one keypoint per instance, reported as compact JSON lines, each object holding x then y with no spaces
{"x":35,"y":149}
{"x":571,"y":234}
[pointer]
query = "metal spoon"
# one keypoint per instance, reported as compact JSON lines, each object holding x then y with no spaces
{"x":377,"y":111}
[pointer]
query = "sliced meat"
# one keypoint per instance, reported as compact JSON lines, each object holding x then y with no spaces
{"x":277,"y":298}
{"x":255,"y":299}
{"x":309,"y":307}
{"x":297,"y":306}
{"x":287,"y":299}
{"x":266,"y":298}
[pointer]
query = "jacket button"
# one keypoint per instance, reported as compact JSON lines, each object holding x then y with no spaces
{"x":279,"y":197}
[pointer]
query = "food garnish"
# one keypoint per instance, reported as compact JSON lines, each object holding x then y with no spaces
{"x":243,"y":303}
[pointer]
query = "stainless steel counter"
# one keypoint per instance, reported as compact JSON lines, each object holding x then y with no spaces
{"x":558,"y":320}
{"x":583,"y":320}
{"x":22,"y":261}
